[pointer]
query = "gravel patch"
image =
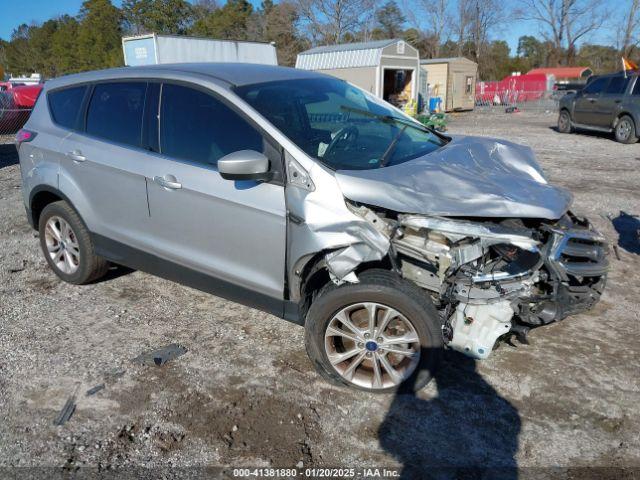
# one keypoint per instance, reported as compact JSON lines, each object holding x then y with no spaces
{"x":245,"y":394}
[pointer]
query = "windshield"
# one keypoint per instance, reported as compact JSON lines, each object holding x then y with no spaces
{"x":340,"y":125}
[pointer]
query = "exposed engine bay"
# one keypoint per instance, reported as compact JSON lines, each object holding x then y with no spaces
{"x":492,"y":278}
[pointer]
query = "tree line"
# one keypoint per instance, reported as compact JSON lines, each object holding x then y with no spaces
{"x":438,"y":28}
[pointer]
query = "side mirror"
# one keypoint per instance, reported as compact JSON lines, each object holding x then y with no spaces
{"x":244,"y":165}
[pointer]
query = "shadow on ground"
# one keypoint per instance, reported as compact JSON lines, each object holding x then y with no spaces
{"x":628,"y":228}
{"x":588,"y":133}
{"x":467,"y":431}
{"x":8,"y":155}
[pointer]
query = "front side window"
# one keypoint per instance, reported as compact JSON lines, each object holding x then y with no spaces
{"x":596,"y":86}
{"x":636,"y":87}
{"x":65,"y":105}
{"x":617,"y":85}
{"x":197,"y":127}
{"x":115,"y":112}
{"x":340,"y":125}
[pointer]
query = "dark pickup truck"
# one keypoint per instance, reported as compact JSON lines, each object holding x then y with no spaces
{"x":608,"y":103}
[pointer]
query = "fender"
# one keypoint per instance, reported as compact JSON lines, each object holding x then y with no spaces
{"x":32,"y":215}
{"x":635,"y":118}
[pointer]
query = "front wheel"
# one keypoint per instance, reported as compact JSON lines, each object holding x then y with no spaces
{"x":626,"y":130}
{"x":380,"y":335}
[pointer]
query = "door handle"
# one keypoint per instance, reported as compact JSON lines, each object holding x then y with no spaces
{"x":76,"y":156}
{"x":592,"y":100}
{"x":618,"y":101}
{"x":168,"y":181}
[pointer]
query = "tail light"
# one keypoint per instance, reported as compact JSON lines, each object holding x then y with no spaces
{"x":24,"y":136}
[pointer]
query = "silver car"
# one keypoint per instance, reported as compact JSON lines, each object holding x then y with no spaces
{"x":303,"y":196}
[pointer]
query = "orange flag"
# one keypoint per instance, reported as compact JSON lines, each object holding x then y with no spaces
{"x":628,"y":65}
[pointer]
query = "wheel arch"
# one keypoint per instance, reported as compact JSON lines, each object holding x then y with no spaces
{"x":40,"y":197}
{"x":634,"y":118}
{"x":314,"y":276}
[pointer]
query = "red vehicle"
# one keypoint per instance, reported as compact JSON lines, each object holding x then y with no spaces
{"x":16,"y":103}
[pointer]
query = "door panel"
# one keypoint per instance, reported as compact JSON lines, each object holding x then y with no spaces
{"x":585,"y":110}
{"x":233,"y":230}
{"x":587,"y":105}
{"x":111,"y":181}
{"x":104,"y":165}
{"x":610,"y":103}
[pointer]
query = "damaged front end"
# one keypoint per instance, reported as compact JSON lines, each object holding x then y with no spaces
{"x":489,"y":279}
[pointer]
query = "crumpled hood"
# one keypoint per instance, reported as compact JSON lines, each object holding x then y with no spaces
{"x":468,"y":177}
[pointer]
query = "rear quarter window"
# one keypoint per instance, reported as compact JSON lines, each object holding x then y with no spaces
{"x":65,"y":105}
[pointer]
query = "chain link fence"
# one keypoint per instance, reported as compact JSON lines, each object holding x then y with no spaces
{"x":541,"y":102}
{"x":12,"y":117}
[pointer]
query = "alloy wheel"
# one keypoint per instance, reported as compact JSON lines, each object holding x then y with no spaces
{"x":62,"y":245}
{"x":372,"y":345}
{"x":624,"y":129}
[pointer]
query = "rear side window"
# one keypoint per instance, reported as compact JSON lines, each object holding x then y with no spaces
{"x":636,"y":87}
{"x":65,"y":106}
{"x":195,"y":126}
{"x":597,"y":85}
{"x":617,"y":85}
{"x":115,"y":112}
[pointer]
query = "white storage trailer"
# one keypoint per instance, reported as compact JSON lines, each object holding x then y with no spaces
{"x":154,"y":49}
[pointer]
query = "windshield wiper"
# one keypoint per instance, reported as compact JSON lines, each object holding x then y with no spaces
{"x":386,"y":118}
{"x":392,"y":146}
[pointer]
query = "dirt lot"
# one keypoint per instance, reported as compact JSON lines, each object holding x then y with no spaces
{"x":246,"y":395}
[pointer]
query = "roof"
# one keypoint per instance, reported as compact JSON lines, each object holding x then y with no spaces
{"x":351,"y":55}
{"x":563,"y":72}
{"x":429,"y":61}
{"x":343,"y":47}
{"x":231,"y":74}
{"x":192,"y":37}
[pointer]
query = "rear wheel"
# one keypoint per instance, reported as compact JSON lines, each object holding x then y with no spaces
{"x":379,"y":335}
{"x":67,"y":246}
{"x":626,"y":130}
{"x":564,"y":122}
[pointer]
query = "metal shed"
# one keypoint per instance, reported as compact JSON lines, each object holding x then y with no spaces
{"x":153,"y":49}
{"x":386,"y":68}
{"x":453,"y":80}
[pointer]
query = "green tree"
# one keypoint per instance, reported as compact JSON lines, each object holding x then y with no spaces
{"x":390,"y":20}
{"x":64,"y":47}
{"x":229,"y":22}
{"x":535,"y":52}
{"x":157,"y":16}
{"x":18,"y":51}
{"x":600,"y":58}
{"x":99,"y":35}
{"x":278,"y":23}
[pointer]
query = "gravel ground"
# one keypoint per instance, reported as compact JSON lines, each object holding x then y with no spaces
{"x":245,"y":394}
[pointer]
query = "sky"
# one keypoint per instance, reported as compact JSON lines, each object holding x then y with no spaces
{"x":16,"y":12}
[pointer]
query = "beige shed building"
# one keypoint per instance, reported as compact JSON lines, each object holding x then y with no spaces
{"x":386,"y":68}
{"x":453,"y":80}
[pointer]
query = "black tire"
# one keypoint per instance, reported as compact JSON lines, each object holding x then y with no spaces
{"x":388,"y":289}
{"x":89,"y":266}
{"x":564,"y":122}
{"x":625,"y":130}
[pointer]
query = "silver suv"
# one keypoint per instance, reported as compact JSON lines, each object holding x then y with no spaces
{"x":303,"y":196}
